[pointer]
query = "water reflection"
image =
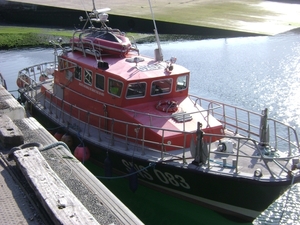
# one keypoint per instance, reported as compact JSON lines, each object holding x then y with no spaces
{"x":253,"y":73}
{"x":250,"y":72}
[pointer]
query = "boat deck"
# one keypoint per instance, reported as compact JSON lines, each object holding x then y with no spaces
{"x":243,"y":163}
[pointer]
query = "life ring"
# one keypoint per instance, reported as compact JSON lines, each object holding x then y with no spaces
{"x":167,"y":106}
{"x":23,"y":81}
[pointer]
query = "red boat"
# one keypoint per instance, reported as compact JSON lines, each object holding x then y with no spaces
{"x":103,"y":40}
{"x":137,"y":117}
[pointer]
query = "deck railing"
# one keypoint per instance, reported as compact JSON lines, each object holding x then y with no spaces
{"x":248,"y":124}
{"x":237,"y":120}
{"x":2,"y":81}
{"x":81,"y":123}
{"x":245,"y":124}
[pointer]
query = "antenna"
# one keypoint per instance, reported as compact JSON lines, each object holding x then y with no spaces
{"x":87,"y":16}
{"x":97,"y":15}
{"x":158,"y":52}
{"x":94,"y":7}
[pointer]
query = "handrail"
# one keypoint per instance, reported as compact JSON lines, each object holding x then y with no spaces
{"x":111,"y":132}
{"x":2,"y":81}
{"x":242,"y":121}
{"x":234,"y":119}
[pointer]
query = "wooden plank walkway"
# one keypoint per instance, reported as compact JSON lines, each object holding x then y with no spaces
{"x":55,"y":196}
{"x":252,"y":16}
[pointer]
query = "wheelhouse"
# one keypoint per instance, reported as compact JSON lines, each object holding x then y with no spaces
{"x":104,"y":84}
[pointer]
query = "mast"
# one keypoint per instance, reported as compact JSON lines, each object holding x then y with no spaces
{"x":158,"y":51}
{"x":94,"y":7}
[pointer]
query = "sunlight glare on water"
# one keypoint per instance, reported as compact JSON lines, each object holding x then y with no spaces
{"x":250,"y":72}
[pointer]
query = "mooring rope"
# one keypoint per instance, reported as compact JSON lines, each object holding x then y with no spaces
{"x":128,"y":175}
{"x":58,"y":143}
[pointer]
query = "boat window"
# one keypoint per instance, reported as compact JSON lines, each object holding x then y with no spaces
{"x":88,"y":77}
{"x":99,"y":81}
{"x":115,"y":87}
{"x":78,"y":73}
{"x":161,"y":87}
{"x":68,"y":67}
{"x":136,"y":90}
{"x":65,"y":64}
{"x":181,"y":83}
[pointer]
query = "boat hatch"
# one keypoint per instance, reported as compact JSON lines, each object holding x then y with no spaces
{"x":181,"y":117}
{"x":147,"y":67}
{"x":150,"y":67}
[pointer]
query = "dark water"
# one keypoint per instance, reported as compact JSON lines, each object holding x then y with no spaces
{"x":155,"y":208}
{"x":250,"y":72}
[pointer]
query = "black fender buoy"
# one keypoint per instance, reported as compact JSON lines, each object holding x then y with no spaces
{"x":22,"y":99}
{"x":107,"y":167}
{"x":133,"y":180}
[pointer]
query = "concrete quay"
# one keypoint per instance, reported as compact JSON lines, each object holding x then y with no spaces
{"x":41,"y":182}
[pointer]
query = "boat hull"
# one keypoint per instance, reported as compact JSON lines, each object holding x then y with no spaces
{"x":223,"y":194}
{"x":242,"y":198}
